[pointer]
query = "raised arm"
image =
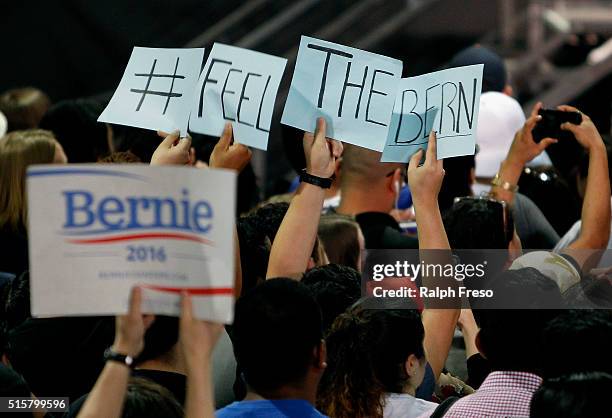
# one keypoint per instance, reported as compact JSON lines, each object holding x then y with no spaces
{"x":296,"y":236}
{"x":231,"y":156}
{"x":198,"y":339}
{"x":595,"y":229}
{"x":108,"y":394}
{"x":522,"y":150}
{"x":425,"y":182}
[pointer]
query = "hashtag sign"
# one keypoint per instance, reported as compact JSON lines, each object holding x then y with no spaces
{"x":168,"y":95}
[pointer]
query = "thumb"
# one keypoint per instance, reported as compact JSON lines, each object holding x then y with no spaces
{"x":567,"y":126}
{"x":184,"y":144}
{"x":546,"y":142}
{"x":170,"y":139}
{"x":415,"y":159}
{"x":225,"y":140}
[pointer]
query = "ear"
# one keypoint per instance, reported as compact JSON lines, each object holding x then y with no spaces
{"x":394,"y":180}
{"x":5,"y":360}
{"x":508,"y":90}
{"x":411,"y":365}
{"x":320,"y":356}
{"x":311,"y":264}
{"x":479,"y":345}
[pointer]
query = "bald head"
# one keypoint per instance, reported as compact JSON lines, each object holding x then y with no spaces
{"x":362,"y":166}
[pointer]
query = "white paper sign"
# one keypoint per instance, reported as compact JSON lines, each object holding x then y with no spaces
{"x":240,"y":86}
{"x":446,"y":101}
{"x":95,"y":231}
{"x":353,"y":90}
{"x":156,"y":90}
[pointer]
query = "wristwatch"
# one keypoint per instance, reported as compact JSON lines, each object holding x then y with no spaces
{"x":110,"y":355}
{"x":315,"y":180}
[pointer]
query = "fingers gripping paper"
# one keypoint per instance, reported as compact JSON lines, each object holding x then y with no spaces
{"x":240,"y":86}
{"x":97,"y":231}
{"x":353,"y":90}
{"x":446,"y":101}
{"x":156,"y":89}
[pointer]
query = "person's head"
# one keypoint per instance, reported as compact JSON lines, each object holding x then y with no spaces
{"x":494,"y":76}
{"x":367,"y":185}
{"x":578,"y":341}
{"x":371,"y":352}
{"x":511,"y":339}
{"x":342,"y":239}
{"x":458,"y":180}
{"x":552,"y":194}
{"x":479,"y":223}
{"x":278,"y":339}
{"x":74,"y":123}
{"x":145,"y":398}
{"x":581,"y":395}
{"x":335,"y":288}
{"x":24,"y":107}
{"x":18,"y":150}
{"x":161,"y":342}
{"x":500,"y":117}
{"x":120,"y":157}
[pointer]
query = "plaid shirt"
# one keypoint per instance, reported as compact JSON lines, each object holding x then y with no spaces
{"x":503,"y":394}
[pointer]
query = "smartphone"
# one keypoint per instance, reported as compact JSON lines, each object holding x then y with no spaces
{"x":550,"y":124}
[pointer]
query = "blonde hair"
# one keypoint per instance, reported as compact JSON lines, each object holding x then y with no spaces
{"x":18,"y":150}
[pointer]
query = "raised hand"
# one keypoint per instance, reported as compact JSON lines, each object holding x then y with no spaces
{"x":130,"y":328}
{"x":425,"y":181}
{"x":586,"y":133}
{"x":524,"y":148}
{"x":321,"y":153}
{"x":172,"y":150}
{"x":197,"y":337}
{"x":229,"y":154}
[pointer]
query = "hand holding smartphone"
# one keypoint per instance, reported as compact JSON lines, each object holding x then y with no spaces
{"x":550,"y":124}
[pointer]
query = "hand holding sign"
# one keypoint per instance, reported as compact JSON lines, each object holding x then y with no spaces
{"x":131,"y":328}
{"x":228,"y":154}
{"x":172,"y":150}
{"x":321,"y":152}
{"x":425,"y":181}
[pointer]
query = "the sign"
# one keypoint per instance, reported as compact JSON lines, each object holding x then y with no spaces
{"x":156,"y":89}
{"x":240,"y":86}
{"x":95,"y":231}
{"x":353,"y":90}
{"x":446,"y":101}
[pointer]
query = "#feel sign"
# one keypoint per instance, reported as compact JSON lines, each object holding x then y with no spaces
{"x":353,"y":90}
{"x":97,"y":231}
{"x":237,"y":85}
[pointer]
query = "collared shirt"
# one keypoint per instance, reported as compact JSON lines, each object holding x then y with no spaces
{"x":381,"y":231}
{"x":503,"y":394}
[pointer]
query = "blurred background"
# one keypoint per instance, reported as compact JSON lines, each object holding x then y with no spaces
{"x":556,"y":51}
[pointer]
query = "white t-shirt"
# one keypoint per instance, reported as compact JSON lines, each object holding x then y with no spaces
{"x":402,"y":405}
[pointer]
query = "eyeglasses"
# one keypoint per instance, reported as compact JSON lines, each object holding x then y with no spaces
{"x":508,"y":231}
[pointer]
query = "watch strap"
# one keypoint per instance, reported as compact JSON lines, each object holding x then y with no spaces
{"x":111,"y":355}
{"x":324,"y":183}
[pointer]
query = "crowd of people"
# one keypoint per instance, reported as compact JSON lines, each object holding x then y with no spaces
{"x":307,"y":339}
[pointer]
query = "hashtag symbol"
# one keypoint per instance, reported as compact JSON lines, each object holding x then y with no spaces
{"x":168,"y":95}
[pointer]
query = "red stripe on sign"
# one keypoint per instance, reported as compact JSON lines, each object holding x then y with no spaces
{"x":198,"y":291}
{"x":131,"y":237}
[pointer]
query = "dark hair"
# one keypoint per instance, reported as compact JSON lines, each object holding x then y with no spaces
{"x":578,"y":341}
{"x":24,"y":107}
{"x":477,"y":223}
{"x":277,"y":326}
{"x":494,"y":73}
{"x":74,"y":124}
{"x":366,"y":354}
{"x":16,"y":307}
{"x":581,"y":395}
{"x":122,"y":157}
{"x":511,"y":338}
{"x":457,"y":180}
{"x":145,"y":398}
{"x":335,"y":288}
{"x":340,"y":237}
{"x":160,"y":338}
{"x":550,"y":192}
{"x":13,"y":385}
